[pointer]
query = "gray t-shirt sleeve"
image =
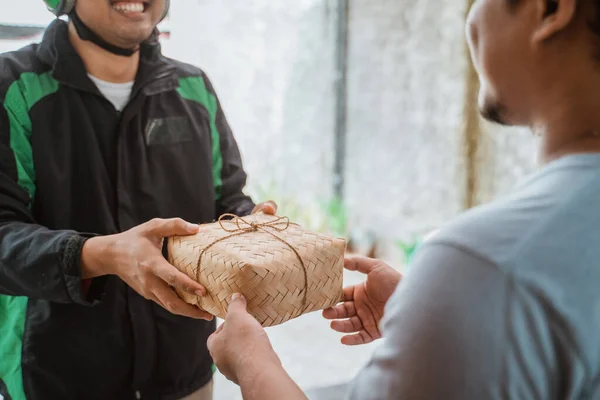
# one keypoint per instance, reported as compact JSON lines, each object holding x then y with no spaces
{"x":458,"y":327}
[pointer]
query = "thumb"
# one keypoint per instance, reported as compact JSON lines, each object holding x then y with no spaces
{"x":270,"y":207}
{"x":361,"y":264}
{"x":171,"y":227}
{"x":238,"y":304}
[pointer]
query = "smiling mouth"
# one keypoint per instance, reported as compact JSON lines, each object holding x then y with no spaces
{"x":127,"y":7}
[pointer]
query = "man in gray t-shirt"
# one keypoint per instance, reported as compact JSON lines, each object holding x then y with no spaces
{"x":504,"y":301}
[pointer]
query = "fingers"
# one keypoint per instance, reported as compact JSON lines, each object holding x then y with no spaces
{"x":345,"y":309}
{"x":348,"y":293}
{"x":268,"y":207}
{"x":170,"y":227}
{"x":341,"y":311}
{"x":359,"y":338}
{"x":361,"y":264}
{"x":176,"y":278}
{"x":350,"y":325}
{"x":171,"y":302}
{"x":238,"y":304}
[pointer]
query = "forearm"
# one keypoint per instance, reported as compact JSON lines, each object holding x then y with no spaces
{"x":260,"y":381}
{"x":40,"y":263}
{"x":35,"y":261}
{"x":235,"y":203}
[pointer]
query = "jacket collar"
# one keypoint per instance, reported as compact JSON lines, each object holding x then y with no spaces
{"x":155,"y":73}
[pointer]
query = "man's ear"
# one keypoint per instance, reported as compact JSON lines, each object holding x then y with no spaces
{"x":555,"y":16}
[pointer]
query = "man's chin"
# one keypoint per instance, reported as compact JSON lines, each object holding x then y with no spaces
{"x":494,"y":113}
{"x":134,"y":40}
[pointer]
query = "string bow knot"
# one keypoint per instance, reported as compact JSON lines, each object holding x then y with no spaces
{"x":253,"y":226}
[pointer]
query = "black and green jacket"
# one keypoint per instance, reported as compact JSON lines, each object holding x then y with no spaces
{"x":72,"y":167}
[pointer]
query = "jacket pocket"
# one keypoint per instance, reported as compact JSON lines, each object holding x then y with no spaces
{"x":168,"y":130}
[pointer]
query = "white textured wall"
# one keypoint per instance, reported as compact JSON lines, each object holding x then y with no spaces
{"x":272,"y":65}
{"x":405,"y":173}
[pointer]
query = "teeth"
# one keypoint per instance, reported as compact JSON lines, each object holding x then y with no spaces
{"x":129,"y":7}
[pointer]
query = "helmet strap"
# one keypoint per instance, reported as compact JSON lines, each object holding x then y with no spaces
{"x":87,"y":34}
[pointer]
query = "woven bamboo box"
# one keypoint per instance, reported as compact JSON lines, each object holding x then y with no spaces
{"x":282,"y":269}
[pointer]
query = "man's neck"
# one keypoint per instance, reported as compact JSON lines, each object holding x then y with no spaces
{"x":569,"y":121}
{"x":103,"y":64}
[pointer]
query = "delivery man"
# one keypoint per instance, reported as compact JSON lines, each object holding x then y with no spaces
{"x":106,"y":148}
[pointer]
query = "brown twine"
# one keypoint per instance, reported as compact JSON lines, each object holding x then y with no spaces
{"x":255,"y":227}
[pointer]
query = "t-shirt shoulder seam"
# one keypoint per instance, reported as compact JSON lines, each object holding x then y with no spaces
{"x":553,"y":168}
{"x":498,"y":266}
{"x":521,"y":244}
{"x":464,"y":249}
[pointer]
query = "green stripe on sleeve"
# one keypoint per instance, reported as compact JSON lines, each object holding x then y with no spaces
{"x":194,"y":89}
{"x":21,"y":96}
{"x":12,"y":327}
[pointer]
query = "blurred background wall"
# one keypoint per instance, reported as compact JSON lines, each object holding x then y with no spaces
{"x":415,"y":150}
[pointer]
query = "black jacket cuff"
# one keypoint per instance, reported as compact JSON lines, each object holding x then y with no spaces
{"x":72,"y":271}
